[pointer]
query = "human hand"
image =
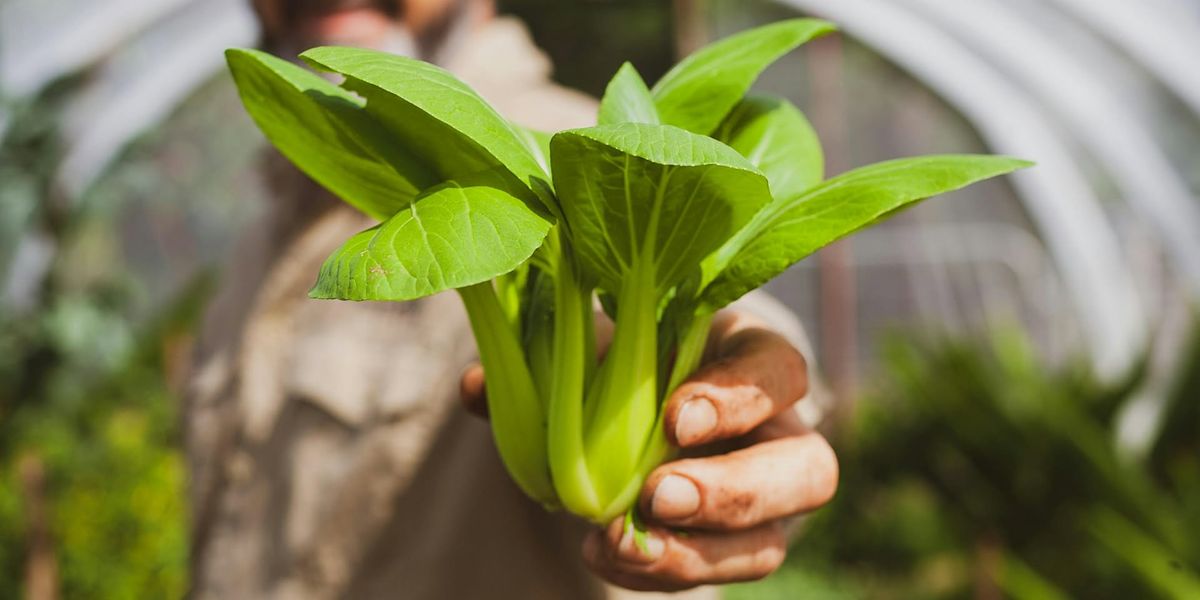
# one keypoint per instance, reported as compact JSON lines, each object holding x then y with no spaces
{"x":718,"y":516}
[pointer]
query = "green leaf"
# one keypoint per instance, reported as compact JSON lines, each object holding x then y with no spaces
{"x":636,"y":192}
{"x":698,"y":93}
{"x":776,"y":138}
{"x":452,"y":236}
{"x":430,"y":111}
{"x":791,"y":229}
{"x":325,"y":132}
{"x":1021,"y":582}
{"x":1163,"y":568}
{"x":627,"y":99}
{"x":538,"y":143}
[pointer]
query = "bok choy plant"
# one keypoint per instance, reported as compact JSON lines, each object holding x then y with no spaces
{"x":683,"y":197}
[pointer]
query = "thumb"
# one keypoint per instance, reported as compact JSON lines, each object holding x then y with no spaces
{"x":472,"y":391}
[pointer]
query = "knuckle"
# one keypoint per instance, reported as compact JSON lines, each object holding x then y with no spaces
{"x":768,"y":555}
{"x":823,"y":473}
{"x":771,"y":557}
{"x":744,"y":408}
{"x":681,"y":566}
{"x":735,"y":508}
{"x":682,"y":574}
{"x":759,"y":406}
{"x":795,"y":369}
{"x":797,"y":358}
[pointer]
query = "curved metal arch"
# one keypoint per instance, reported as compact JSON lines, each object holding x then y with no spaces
{"x":1086,"y":104}
{"x":133,"y":94}
{"x":1165,"y":46}
{"x":39,"y":44}
{"x":1056,"y":193}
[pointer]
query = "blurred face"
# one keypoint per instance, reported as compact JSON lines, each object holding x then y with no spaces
{"x":410,"y":27}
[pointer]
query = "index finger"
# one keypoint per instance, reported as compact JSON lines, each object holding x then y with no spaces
{"x":756,"y":374}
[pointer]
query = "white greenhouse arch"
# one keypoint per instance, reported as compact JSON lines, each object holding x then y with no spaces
{"x":1014,"y":82}
{"x":1056,"y":194}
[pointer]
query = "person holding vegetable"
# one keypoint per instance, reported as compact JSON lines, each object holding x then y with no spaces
{"x":328,"y":458}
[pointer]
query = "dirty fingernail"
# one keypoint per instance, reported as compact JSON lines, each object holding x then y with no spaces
{"x":697,"y":418}
{"x":650,"y":550}
{"x":675,"y":497}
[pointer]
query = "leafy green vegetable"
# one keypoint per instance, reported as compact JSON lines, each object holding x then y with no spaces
{"x":433,"y":114}
{"x":698,"y":93}
{"x":627,"y":188}
{"x":325,"y":131}
{"x":450,"y":237}
{"x":776,"y":138}
{"x":627,"y":99}
{"x":791,"y":229}
{"x":680,"y":200}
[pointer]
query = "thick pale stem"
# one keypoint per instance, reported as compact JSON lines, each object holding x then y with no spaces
{"x":572,"y":355}
{"x":626,"y":402}
{"x":690,"y":351}
{"x":590,"y":349}
{"x":518,"y":422}
{"x":657,"y":450}
{"x":508,"y":292}
{"x":539,"y":351}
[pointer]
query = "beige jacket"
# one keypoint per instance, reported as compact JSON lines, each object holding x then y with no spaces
{"x":328,"y":456}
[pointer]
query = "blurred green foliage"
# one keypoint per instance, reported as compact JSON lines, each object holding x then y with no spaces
{"x":115,"y":489}
{"x":977,"y":472}
{"x":84,"y":398}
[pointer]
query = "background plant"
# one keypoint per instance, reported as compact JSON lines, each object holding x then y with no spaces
{"x":975,"y":471}
{"x":88,"y":432}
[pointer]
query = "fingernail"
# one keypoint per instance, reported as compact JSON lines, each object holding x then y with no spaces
{"x":675,"y":497}
{"x":650,"y":550}
{"x":697,"y":418}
